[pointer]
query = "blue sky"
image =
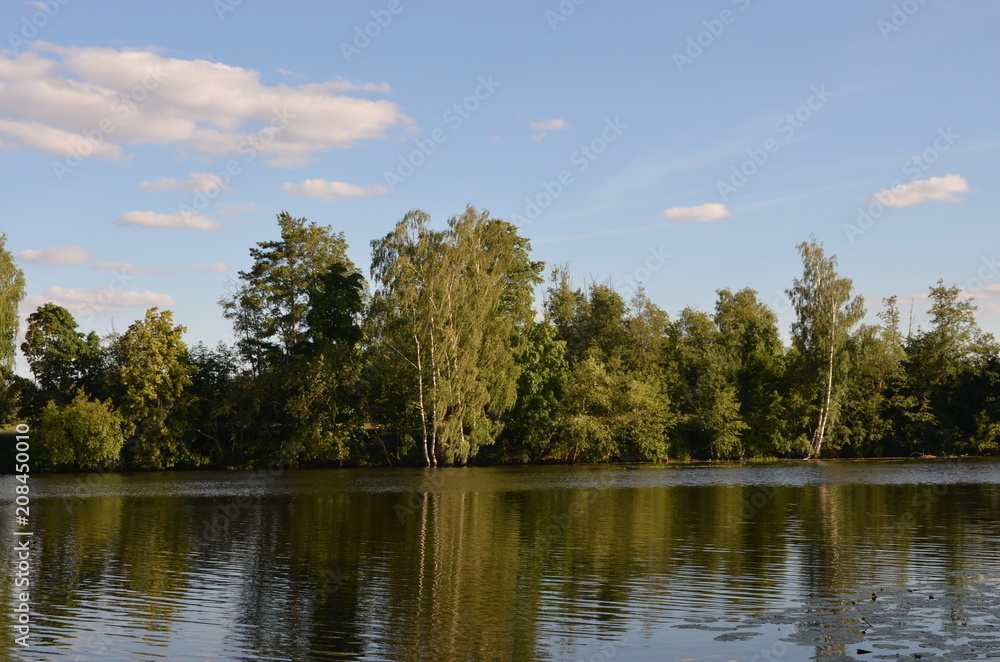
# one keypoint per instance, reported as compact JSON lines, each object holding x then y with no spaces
{"x":147,"y":146}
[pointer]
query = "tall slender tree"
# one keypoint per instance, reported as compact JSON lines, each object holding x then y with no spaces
{"x":11,"y":294}
{"x":825,"y":314}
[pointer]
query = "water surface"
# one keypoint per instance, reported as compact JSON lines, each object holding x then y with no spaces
{"x":666,"y":563}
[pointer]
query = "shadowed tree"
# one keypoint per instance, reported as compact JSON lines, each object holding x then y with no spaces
{"x":60,"y":357}
{"x":748,"y":335}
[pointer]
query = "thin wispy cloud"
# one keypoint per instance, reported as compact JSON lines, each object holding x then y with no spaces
{"x":238,"y":210}
{"x":180,"y":220}
{"x":196,"y":181}
{"x":217,"y":268}
{"x":57,"y":255}
{"x":707,"y":213}
{"x":123,"y":268}
{"x":944,"y":188}
{"x":321,"y":189}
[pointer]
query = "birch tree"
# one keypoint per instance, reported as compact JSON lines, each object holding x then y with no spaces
{"x":825,"y":314}
{"x":11,"y":294}
{"x":453,"y":310}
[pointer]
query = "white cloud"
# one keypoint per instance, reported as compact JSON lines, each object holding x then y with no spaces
{"x":123,"y":268}
{"x":217,"y":268}
{"x":707,"y":213}
{"x":51,"y":140}
{"x":53,"y":96}
{"x":923,"y":190}
{"x":549,"y":125}
{"x":97,"y":301}
{"x":181,"y":220}
{"x":324,"y":190}
{"x":57,"y":255}
{"x":197,"y":181}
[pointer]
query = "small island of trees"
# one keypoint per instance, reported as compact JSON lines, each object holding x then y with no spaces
{"x":440,"y":359}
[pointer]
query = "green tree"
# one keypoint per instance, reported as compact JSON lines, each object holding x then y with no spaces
{"x":155,"y":373}
{"x":453,"y":308}
{"x":324,"y":402}
{"x":270,"y":307}
{"x":701,"y":373}
{"x":541,"y":386}
{"x":615,"y":404}
{"x":610,"y":412}
{"x":749,"y":337}
{"x":943,"y":364}
{"x":11,"y":295}
{"x":874,"y":403}
{"x":82,"y":435}
{"x":295,"y":314}
{"x":60,"y":357}
{"x":825,"y":314}
{"x":647,"y":327}
{"x":213,"y":391}
{"x":565,"y":308}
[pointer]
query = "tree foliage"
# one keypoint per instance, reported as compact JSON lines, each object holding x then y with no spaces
{"x":11,"y":293}
{"x":82,"y":435}
{"x":446,"y":362}
{"x":826,"y":311}
{"x":155,"y":374}
{"x":453,"y":309}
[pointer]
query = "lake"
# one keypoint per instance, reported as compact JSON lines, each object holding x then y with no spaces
{"x":786,"y":561}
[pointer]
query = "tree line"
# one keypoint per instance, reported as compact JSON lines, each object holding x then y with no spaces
{"x":440,"y":358}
